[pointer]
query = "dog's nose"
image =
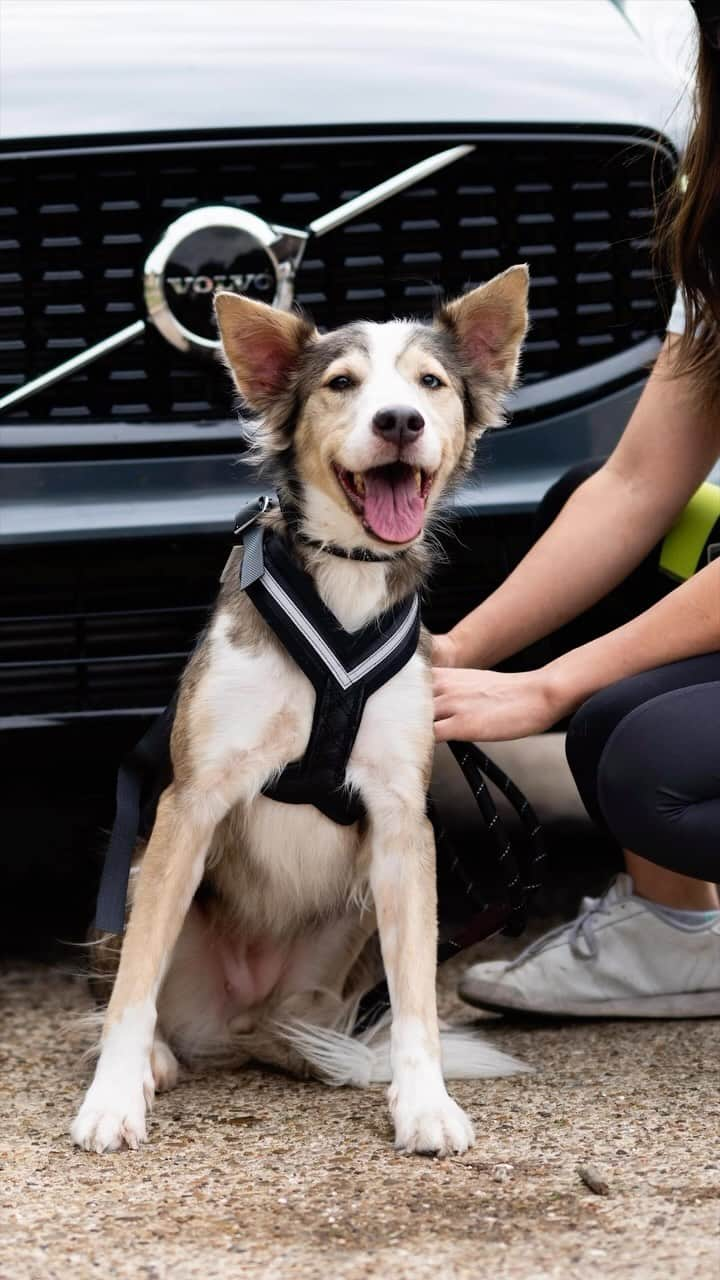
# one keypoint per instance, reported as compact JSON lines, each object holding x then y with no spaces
{"x":399,"y":423}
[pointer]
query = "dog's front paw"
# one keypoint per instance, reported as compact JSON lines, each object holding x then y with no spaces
{"x":109,"y":1120}
{"x":435,"y":1127}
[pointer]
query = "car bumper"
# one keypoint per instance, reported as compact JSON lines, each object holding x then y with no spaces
{"x":70,"y":499}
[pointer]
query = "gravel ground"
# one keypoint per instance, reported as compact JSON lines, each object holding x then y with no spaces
{"x":249,"y":1174}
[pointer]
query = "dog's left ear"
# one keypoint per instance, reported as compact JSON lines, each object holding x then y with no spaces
{"x":262,"y":345}
{"x":489,"y":325}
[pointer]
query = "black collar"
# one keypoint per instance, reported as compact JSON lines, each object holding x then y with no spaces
{"x":355,"y":553}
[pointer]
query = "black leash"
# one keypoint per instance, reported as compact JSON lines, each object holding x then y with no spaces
{"x":518,"y":884}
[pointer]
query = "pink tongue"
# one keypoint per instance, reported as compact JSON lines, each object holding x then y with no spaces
{"x":394,"y":509}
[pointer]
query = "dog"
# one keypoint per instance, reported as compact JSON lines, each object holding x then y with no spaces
{"x":254,"y":924}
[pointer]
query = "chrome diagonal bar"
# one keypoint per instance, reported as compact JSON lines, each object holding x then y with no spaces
{"x":299,"y":240}
{"x":384,"y":190}
{"x":73,"y":365}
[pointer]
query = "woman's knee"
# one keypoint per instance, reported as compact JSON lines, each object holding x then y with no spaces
{"x":646,"y":766}
{"x":601,"y":715}
{"x":594,"y":722}
{"x":647,"y":793}
{"x":591,"y":728}
{"x":585,"y":741}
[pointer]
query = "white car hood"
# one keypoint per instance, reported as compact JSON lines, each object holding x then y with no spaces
{"x":88,"y":67}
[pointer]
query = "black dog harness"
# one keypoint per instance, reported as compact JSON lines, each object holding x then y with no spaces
{"x":479,"y":891}
{"x":345,"y":669}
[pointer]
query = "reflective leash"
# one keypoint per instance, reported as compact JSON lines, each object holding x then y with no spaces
{"x":517,"y":884}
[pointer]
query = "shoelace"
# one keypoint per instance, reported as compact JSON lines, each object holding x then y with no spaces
{"x":581,"y":929}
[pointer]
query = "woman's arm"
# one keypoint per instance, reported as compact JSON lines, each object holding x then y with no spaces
{"x":605,"y":529}
{"x":493,"y":706}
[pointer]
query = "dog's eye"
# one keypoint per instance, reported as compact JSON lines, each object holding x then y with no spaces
{"x":340,"y":383}
{"x":431,"y":381}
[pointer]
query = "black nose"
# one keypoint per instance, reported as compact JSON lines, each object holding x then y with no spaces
{"x":398,"y":423}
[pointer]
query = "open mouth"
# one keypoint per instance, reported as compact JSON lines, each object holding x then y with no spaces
{"x":389,"y":500}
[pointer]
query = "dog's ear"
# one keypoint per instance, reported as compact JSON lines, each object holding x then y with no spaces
{"x":489,"y":325}
{"x":262,"y":345}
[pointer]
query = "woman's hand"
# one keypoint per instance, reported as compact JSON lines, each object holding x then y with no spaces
{"x":493,"y":706}
{"x":444,"y":651}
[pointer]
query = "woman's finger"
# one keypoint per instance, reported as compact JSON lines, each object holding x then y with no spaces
{"x":440,"y":678}
{"x":446,"y":730}
{"x":441,"y":706}
{"x":448,"y":705}
{"x":459,"y":683}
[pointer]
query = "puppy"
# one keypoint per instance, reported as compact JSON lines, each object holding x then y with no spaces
{"x":254,"y":923}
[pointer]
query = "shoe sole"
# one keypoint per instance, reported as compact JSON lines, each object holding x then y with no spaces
{"x":692,"y":1004}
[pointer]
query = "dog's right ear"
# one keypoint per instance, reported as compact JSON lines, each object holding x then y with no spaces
{"x":262,"y":345}
{"x":489,"y":325}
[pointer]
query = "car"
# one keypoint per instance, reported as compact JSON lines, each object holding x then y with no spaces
{"x":151,"y":154}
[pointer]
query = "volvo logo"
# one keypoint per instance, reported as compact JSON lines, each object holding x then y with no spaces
{"x":262,"y":281}
{"x":216,"y":248}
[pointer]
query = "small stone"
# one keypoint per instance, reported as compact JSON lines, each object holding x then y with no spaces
{"x":592,"y":1179}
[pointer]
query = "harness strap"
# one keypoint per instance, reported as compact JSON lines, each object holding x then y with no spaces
{"x":253,"y":561}
{"x":344,"y":668}
{"x":145,"y":761}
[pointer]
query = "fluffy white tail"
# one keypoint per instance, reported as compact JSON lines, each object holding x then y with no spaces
{"x":341,"y":1059}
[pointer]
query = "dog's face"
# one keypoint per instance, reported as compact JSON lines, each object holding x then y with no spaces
{"x":370,"y":422}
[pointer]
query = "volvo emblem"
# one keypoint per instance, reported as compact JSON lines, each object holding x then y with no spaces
{"x":262,"y":281}
{"x":217,"y":247}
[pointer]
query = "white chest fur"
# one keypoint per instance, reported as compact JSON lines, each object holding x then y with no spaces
{"x":251,"y":715}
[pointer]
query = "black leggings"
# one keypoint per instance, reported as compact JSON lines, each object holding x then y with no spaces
{"x":645,"y":752}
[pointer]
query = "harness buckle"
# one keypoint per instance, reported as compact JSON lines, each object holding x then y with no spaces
{"x":247,"y":516}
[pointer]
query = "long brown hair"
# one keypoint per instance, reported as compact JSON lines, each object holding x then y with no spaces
{"x":690,"y":231}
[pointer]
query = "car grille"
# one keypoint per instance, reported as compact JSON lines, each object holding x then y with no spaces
{"x":75,"y":227}
{"x":94,"y":628}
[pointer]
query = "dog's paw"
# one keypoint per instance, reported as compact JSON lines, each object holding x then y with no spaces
{"x":164,"y":1066}
{"x":108,"y":1122}
{"x":436,"y":1127}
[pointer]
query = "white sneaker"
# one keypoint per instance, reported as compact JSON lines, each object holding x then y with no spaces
{"x":620,"y":958}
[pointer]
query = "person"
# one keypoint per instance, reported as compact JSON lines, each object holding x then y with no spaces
{"x":643,"y":742}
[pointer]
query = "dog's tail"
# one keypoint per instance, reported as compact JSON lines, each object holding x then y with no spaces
{"x":339,"y":1058}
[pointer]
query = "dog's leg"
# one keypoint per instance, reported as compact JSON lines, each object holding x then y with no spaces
{"x":114,"y":1109}
{"x":402,"y":876}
